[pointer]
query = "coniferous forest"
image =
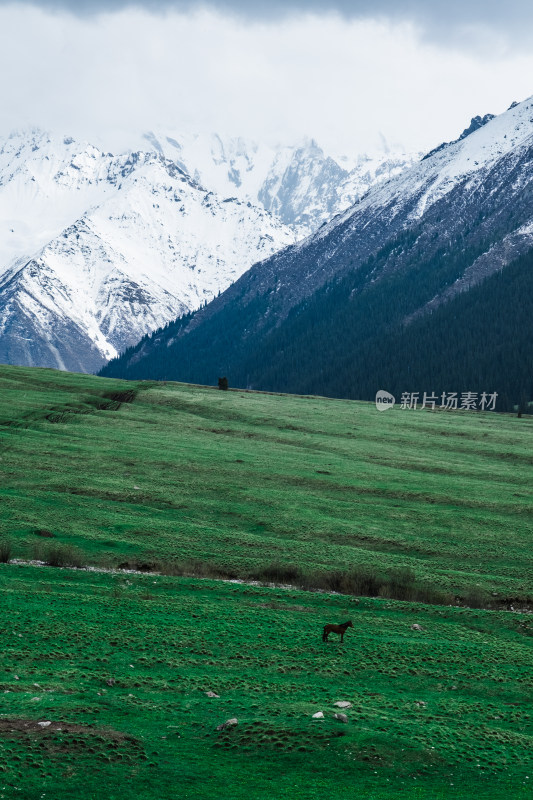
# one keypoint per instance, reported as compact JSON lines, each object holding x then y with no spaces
{"x":350,"y":338}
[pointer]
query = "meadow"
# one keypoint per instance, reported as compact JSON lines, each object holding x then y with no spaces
{"x":173,"y":478}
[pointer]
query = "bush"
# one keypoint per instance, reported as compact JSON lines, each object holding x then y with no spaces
{"x":477,"y":598}
{"x":5,"y":551}
{"x":278,"y":573}
{"x":62,"y":555}
{"x":401,"y":584}
{"x":197,"y":569}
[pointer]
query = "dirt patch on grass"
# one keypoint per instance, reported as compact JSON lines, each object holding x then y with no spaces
{"x":18,"y":726}
{"x":29,"y":745}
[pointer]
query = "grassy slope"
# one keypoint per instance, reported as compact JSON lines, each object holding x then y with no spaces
{"x":437,"y":713}
{"x":241,"y":479}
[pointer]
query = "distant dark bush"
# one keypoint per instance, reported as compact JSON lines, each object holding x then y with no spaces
{"x":5,"y":551}
{"x":223,"y":384}
{"x":431,"y":596}
{"x":401,"y":584}
{"x":477,"y":598}
{"x":61,"y":555}
{"x":198,"y":569}
{"x":359,"y":581}
{"x":365,"y":581}
{"x":44,"y":533}
{"x":277,"y":573}
{"x":113,"y":400}
{"x":127,"y":396}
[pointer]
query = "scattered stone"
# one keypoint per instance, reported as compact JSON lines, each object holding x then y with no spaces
{"x":227,"y":724}
{"x":212,"y":694}
{"x":342,"y":704}
{"x":16,"y":677}
{"x":44,"y":724}
{"x":110,"y":681}
{"x":136,"y":487}
{"x":318,"y":715}
{"x":420,"y":703}
{"x":417,"y":627}
{"x":341,"y":717}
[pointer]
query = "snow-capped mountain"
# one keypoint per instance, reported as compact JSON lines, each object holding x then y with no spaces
{"x":299,"y":184}
{"x":97,"y":249}
{"x":342,"y":305}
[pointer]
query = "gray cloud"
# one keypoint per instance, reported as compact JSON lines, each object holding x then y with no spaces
{"x":339,"y":81}
{"x":436,"y":14}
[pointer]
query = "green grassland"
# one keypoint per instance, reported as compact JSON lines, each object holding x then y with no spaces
{"x":436,"y":713}
{"x":165,"y":474}
{"x":238,"y":479}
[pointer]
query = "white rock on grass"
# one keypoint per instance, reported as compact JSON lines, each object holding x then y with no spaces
{"x":44,"y":724}
{"x":318,"y":715}
{"x":417,"y":627}
{"x":341,"y":717}
{"x":232,"y":721}
{"x":342,"y":704}
{"x":212,"y":694}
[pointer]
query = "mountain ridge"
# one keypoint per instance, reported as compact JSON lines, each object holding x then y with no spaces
{"x":97,"y":249}
{"x":443,"y":226}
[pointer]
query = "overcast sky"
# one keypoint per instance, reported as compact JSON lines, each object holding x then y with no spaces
{"x":412,"y":73}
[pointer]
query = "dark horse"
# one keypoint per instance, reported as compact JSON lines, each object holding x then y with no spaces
{"x":340,"y":629}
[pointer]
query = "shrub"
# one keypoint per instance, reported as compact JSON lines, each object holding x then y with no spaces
{"x":401,"y":584}
{"x":477,"y":598}
{"x":5,"y":551}
{"x":62,"y":555}
{"x":197,"y":569}
{"x":278,"y":573}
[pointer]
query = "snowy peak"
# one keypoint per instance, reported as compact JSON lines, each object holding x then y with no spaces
{"x":98,"y":248}
{"x":101,"y":249}
{"x":299,"y":184}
